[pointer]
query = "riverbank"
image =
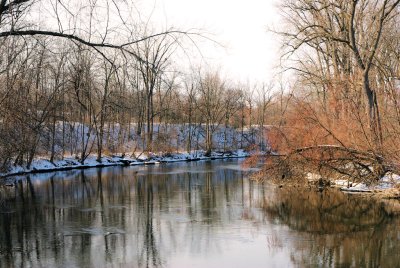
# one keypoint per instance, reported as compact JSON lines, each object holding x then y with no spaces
{"x":387,"y":187}
{"x":42,"y":165}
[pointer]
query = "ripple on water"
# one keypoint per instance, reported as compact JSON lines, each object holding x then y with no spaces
{"x":92,"y":231}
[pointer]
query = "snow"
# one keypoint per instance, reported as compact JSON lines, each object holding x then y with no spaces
{"x":343,"y":183}
{"x":358,"y":187}
{"x":43,"y":165}
{"x":312,"y":176}
{"x":165,"y":137}
{"x":387,"y":182}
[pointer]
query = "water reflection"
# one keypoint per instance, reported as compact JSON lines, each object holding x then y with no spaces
{"x":345,"y":230}
{"x":199,"y":214}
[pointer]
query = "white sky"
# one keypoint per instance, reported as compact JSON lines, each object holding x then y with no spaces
{"x":250,"y":52}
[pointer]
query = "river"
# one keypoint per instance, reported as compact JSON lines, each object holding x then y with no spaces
{"x":196,"y":214}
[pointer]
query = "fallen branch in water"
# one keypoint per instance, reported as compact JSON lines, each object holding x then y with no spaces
{"x":329,"y":162}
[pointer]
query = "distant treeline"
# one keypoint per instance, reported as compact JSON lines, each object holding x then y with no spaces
{"x":60,"y":99}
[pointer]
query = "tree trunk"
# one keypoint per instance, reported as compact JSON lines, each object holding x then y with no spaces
{"x":373,"y":112}
{"x":208,"y":139}
{"x":53,"y":140}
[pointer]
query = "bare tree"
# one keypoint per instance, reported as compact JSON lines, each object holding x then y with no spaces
{"x":210,"y":104}
{"x":264,"y":99}
{"x":156,"y":53}
{"x":346,"y":36}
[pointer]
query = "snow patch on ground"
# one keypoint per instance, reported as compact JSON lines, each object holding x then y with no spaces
{"x":387,"y":182}
{"x":43,"y":165}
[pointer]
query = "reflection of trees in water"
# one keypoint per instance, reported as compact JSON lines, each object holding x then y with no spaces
{"x":114,"y":216}
{"x":148,"y":252}
{"x":327,"y":212}
{"x":16,"y":210}
{"x":208,"y":200}
{"x":180,"y":211}
{"x":347,"y":231}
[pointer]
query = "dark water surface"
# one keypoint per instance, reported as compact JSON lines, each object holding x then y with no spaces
{"x":199,"y":214}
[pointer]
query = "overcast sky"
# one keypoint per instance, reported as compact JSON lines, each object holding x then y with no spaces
{"x":250,"y":53}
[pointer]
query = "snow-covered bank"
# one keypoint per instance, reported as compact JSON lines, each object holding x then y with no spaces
{"x":44,"y":165}
{"x":388,"y":185}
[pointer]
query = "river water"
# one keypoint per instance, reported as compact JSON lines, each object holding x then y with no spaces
{"x":197,"y":214}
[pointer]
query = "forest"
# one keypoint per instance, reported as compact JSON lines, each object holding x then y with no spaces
{"x":124,"y":144}
{"x":343,"y":116}
{"x":106,"y":87}
{"x":97,"y":79}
